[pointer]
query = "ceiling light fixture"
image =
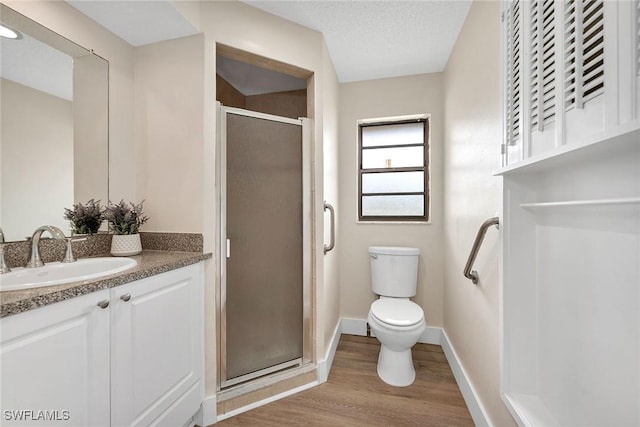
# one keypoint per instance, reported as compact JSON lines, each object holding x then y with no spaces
{"x":8,"y":33}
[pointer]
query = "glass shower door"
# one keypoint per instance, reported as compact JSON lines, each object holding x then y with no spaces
{"x":262,"y":302}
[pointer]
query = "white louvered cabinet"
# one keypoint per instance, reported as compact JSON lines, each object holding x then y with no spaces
{"x":572,"y":75}
{"x":570,"y":222}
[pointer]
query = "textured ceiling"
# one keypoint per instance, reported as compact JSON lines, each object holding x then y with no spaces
{"x":376,"y":39}
{"x":137,"y":22}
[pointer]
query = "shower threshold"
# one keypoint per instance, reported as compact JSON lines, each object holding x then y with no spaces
{"x":261,"y":373}
{"x":267,"y":385}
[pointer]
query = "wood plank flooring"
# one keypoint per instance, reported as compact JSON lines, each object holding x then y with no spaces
{"x":354,"y":395}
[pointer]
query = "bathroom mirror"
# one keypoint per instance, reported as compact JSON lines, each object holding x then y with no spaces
{"x":54,"y":127}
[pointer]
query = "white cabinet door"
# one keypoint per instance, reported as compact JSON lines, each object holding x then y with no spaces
{"x":55,"y":364}
{"x":571,"y":75}
{"x":157,"y":352}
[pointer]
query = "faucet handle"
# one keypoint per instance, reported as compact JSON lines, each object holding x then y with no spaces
{"x":4,"y":268}
{"x":68,"y":255}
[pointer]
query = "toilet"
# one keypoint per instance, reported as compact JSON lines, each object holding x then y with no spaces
{"x":396,"y":321}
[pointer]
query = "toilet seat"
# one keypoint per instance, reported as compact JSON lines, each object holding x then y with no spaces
{"x":397,"y":312}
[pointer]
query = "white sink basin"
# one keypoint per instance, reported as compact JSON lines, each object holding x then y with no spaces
{"x":57,"y":273}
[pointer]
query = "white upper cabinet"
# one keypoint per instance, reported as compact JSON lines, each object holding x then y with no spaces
{"x":572,"y":75}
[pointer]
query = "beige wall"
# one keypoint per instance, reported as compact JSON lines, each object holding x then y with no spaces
{"x":330,"y":301}
{"x":384,"y":98}
{"x":37,"y":130}
{"x":169,"y":79}
{"x":472,"y":194}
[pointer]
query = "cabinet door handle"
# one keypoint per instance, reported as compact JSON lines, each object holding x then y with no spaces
{"x":103,"y":304}
{"x":125,"y":297}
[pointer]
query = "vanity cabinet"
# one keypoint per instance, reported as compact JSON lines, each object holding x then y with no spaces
{"x":129,"y":356}
{"x":157,"y":351}
{"x":55,"y":364}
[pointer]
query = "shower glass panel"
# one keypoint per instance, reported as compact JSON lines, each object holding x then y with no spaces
{"x":263,"y":299}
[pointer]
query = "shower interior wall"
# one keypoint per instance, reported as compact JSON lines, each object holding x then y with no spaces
{"x":292,"y":104}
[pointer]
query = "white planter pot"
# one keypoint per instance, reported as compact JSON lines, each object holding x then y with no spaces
{"x":125,"y":244}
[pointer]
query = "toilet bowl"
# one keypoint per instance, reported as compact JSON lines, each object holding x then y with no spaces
{"x":398,"y":324}
{"x":395,"y":320}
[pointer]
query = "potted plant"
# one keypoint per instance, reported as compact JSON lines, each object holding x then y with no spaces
{"x":85,"y":219}
{"x":125,"y":220}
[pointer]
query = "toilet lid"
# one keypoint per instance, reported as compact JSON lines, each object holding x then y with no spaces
{"x":397,"y":312}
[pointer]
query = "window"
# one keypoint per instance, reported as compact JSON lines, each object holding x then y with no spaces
{"x":393,"y":170}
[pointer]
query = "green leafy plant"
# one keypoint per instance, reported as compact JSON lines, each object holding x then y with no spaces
{"x":124,"y":218}
{"x":85,"y":219}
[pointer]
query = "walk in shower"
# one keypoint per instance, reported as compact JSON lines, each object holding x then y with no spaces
{"x":265,"y":244}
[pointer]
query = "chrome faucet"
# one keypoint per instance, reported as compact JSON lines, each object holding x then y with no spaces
{"x":4,"y":268}
{"x":56,"y":233}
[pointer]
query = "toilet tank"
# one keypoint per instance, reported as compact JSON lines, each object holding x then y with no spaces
{"x":394,"y":270}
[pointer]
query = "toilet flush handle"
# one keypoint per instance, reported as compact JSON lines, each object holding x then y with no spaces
{"x":374,"y":256}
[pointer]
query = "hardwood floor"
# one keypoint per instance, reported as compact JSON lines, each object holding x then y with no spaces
{"x":355,"y":396}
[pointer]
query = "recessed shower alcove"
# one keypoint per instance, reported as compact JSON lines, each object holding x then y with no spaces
{"x":264,"y":174}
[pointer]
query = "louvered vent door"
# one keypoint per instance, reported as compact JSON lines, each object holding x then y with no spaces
{"x":542,"y":75}
{"x":636,"y":32}
{"x":513,"y":89}
{"x":584,"y":52}
{"x":584,"y":77}
{"x":637,"y":35}
{"x":572,"y":74}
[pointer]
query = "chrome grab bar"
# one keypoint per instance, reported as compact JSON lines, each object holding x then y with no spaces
{"x":332,"y":213}
{"x":472,"y":274}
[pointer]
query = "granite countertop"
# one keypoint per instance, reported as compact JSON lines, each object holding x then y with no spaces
{"x":150,"y":263}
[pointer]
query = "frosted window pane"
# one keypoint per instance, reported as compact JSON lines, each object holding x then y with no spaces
{"x":405,"y":133}
{"x":393,"y":205}
{"x":392,"y":157}
{"x":393,"y":182}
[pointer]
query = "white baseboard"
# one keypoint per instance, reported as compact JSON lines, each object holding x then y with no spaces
{"x":477,"y":410}
{"x":208,"y":411}
{"x":351,"y":326}
{"x":324,"y":366}
{"x":431,"y":335}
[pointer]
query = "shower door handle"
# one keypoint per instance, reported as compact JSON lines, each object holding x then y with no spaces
{"x":332,"y":215}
